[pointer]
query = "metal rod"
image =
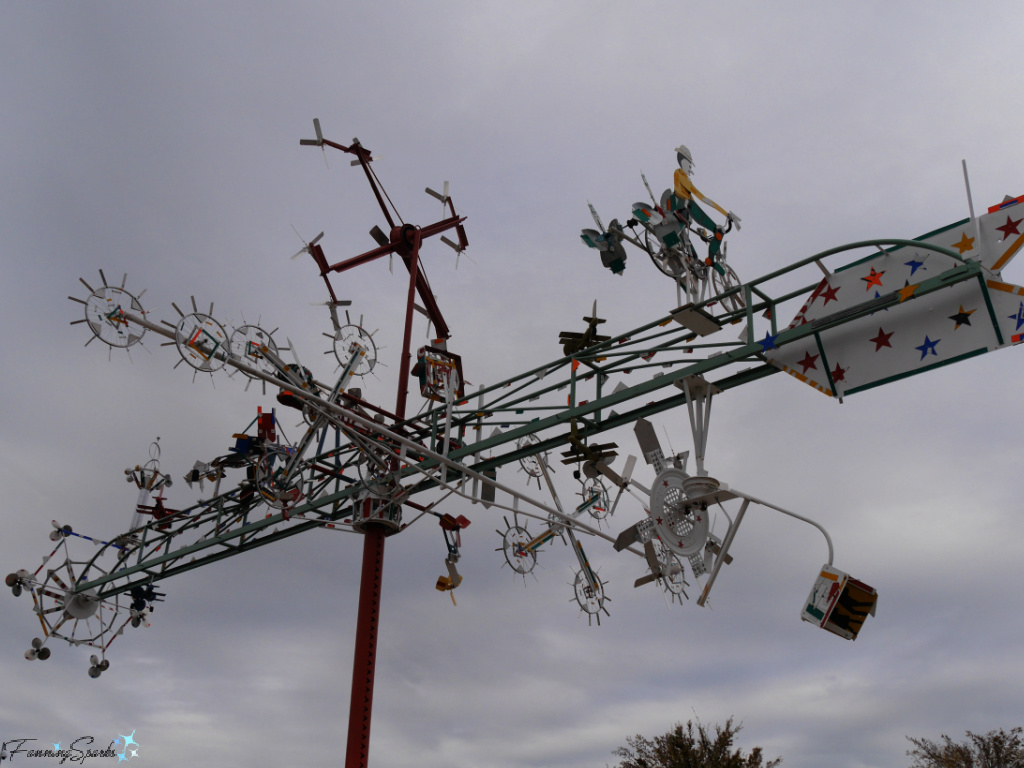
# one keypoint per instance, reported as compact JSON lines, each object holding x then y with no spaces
{"x":723,"y":551}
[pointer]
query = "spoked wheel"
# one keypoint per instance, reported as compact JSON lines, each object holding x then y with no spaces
{"x":670,"y":260}
{"x":721,"y":283}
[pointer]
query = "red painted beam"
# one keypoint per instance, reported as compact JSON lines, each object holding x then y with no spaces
{"x":364,"y":662}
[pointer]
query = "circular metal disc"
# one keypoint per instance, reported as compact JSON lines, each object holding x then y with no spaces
{"x":247,"y":344}
{"x":591,"y":599}
{"x":343,"y":341}
{"x":530,"y":464}
{"x":105,"y":313}
{"x":682,"y":529}
{"x":202,"y":342}
{"x":673,"y":573}
{"x":513,"y":544}
{"x":595,"y":492}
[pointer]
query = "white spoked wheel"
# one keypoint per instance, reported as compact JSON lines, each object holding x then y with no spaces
{"x":595,"y":498}
{"x":530,"y":464}
{"x":343,"y":348}
{"x":589,"y":596}
{"x":670,"y":260}
{"x":673,"y":573}
{"x":721,"y":283}
{"x":79,"y":617}
{"x":248,"y":343}
{"x":202,"y":342}
{"x":105,"y":314}
{"x":514,"y":543}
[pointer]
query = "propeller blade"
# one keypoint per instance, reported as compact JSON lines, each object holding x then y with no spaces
{"x":378,"y":234}
{"x":443,"y":198}
{"x":319,"y":133}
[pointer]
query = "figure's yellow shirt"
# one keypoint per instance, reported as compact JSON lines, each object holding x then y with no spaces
{"x":684,"y":188}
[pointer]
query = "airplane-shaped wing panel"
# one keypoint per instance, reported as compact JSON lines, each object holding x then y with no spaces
{"x":915,"y":327}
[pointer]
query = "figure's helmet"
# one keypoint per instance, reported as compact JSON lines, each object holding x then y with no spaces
{"x":683,"y":154}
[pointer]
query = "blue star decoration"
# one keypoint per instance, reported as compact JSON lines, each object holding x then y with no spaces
{"x":928,"y":346}
{"x":56,"y":747}
{"x":1019,"y":317}
{"x":128,"y":741}
{"x":915,"y":265}
{"x":768,"y":342}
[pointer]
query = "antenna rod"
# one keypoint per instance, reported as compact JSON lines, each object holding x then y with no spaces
{"x":967,"y":183}
{"x":970,"y":206}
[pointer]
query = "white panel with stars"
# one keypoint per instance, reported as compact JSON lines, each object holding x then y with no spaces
{"x":920,"y":332}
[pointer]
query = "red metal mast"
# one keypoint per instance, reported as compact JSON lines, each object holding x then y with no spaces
{"x":404,"y":240}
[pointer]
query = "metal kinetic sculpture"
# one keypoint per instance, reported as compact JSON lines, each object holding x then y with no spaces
{"x":358,"y":466}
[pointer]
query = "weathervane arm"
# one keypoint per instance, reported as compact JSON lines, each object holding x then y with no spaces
{"x":355,"y":261}
{"x":363,"y":158}
{"x":430,"y":304}
{"x":422,"y":287}
{"x":395,"y":245}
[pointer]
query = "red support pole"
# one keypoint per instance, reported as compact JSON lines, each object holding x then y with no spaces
{"x":403,"y":369}
{"x":364,"y":660}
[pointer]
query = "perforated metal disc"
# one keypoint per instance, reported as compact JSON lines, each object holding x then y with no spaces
{"x":682,"y":530}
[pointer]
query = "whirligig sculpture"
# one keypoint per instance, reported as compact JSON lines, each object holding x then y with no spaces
{"x":358,"y":465}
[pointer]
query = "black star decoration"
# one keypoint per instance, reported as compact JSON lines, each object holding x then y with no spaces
{"x":963,"y":317}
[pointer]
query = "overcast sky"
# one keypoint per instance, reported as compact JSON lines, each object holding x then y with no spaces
{"x":163,"y":143}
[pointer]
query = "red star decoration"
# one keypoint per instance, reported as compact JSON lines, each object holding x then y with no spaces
{"x":882,"y":339}
{"x":808,"y":361}
{"x":657,"y":520}
{"x":1010,"y":227}
{"x":839,"y":374}
{"x":875,"y":278}
{"x":830,"y":294}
